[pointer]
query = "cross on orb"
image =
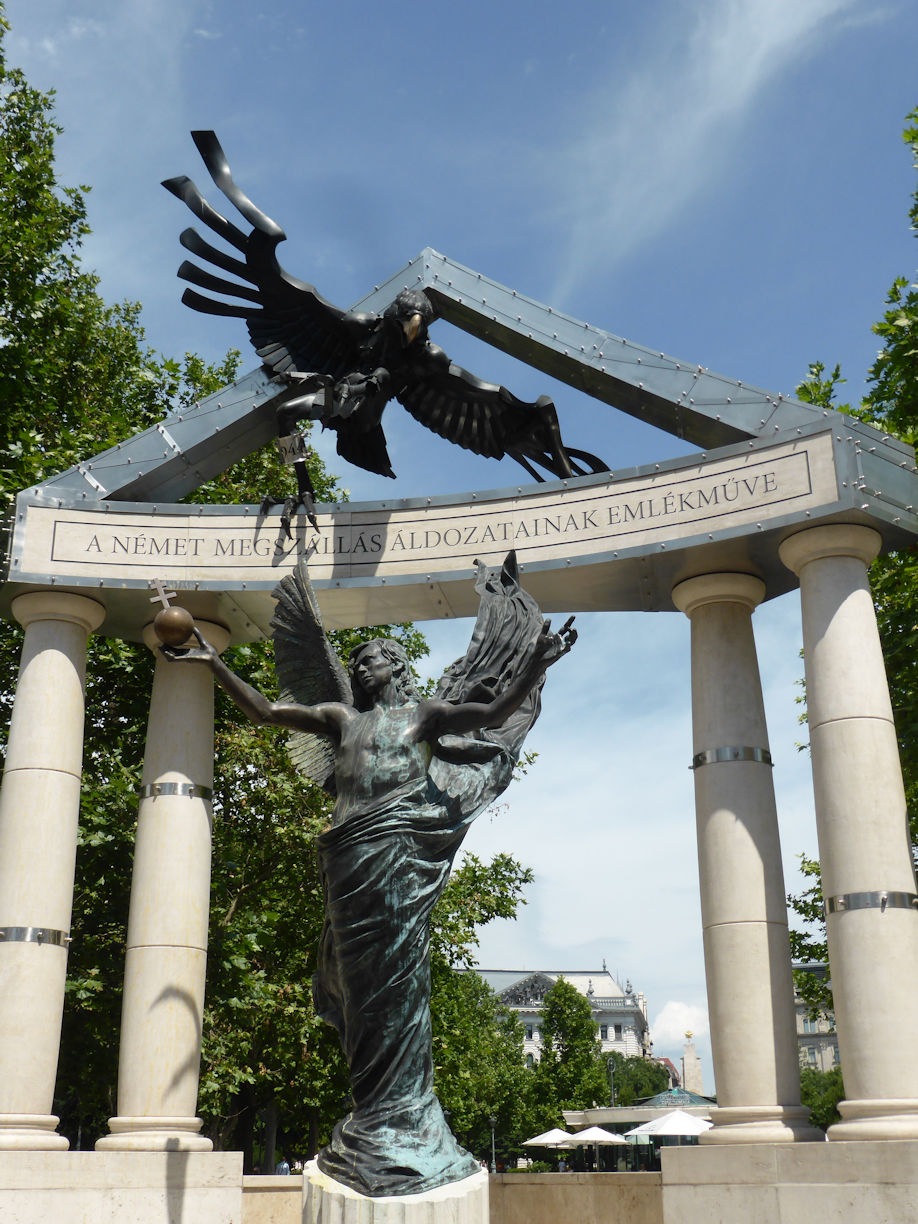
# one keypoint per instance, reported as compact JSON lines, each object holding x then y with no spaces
{"x":162,"y":596}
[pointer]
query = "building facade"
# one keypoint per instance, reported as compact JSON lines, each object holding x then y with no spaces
{"x":620,"y":1012}
{"x":817,"y":1040}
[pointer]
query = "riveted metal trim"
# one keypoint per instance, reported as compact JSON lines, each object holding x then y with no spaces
{"x":881,"y":900}
{"x":187,"y":790}
{"x":714,"y":756}
{"x":39,"y":935}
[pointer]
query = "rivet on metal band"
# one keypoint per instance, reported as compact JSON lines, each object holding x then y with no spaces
{"x":39,"y":935}
{"x":713,"y":756}
{"x":871,"y":900}
{"x":188,"y":790}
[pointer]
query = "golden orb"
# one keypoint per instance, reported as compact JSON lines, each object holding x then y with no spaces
{"x":173,"y":626}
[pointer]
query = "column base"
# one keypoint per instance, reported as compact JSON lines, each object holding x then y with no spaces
{"x":881,"y":1119}
{"x":154,"y":1135}
{"x":31,"y":1133}
{"x":761,"y":1124}
{"x":326,"y":1201}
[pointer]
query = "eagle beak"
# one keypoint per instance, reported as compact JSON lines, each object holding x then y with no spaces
{"x":411,"y":327}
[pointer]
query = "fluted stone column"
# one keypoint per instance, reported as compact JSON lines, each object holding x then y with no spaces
{"x":746,"y":945}
{"x":867,"y":877}
{"x":162,"y":1012}
{"x":39,"y":811}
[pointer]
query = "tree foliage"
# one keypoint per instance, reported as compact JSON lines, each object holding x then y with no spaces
{"x":891,"y":403}
{"x":820,"y":1092}
{"x":571,"y":1072}
{"x":637,"y":1078}
{"x":76,"y":376}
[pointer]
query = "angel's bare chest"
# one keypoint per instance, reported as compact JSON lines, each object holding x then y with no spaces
{"x":380,"y":748}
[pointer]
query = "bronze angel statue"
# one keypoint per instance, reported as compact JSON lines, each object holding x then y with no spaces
{"x":342,"y":367}
{"x":409,"y":774}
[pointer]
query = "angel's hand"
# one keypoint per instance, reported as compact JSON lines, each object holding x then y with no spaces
{"x":549,"y":647}
{"x":202,"y":653}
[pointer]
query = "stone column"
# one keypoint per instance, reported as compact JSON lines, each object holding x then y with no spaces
{"x":162,"y":1012}
{"x":746,"y":946}
{"x":39,"y":811}
{"x":867,"y":877}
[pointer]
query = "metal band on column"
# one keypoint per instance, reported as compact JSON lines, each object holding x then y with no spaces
{"x":39,"y":935}
{"x":187,"y":790}
{"x":715,"y":756}
{"x":881,"y":900}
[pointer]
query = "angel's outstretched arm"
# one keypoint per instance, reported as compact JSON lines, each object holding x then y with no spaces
{"x":325,"y":719}
{"x":444,"y":718}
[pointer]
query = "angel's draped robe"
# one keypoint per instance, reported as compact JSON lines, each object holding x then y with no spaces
{"x":384,"y":863}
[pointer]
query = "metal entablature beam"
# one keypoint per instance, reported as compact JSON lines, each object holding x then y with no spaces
{"x":679,"y":397}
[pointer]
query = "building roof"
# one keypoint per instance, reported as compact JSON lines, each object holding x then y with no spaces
{"x":596,"y":984}
{"x":675,"y":1098}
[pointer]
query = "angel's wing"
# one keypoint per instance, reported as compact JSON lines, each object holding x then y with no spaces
{"x":308,"y":670}
{"x":508,"y":622}
{"x":290,"y":324}
{"x":488,"y":419}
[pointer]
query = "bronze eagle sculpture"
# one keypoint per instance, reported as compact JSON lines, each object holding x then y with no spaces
{"x":342,"y":367}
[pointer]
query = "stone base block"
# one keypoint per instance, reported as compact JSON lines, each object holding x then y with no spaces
{"x":868,"y":1182}
{"x":885,"y":1119}
{"x":115,"y":1187}
{"x":761,"y":1124}
{"x":326,"y":1201}
{"x":154,"y":1135}
{"x":31,"y":1133}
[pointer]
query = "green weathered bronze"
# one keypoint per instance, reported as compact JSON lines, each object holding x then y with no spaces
{"x":410,"y":775}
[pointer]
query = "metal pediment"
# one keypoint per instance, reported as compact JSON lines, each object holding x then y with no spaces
{"x":173,"y":458}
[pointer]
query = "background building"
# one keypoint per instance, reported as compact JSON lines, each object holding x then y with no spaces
{"x":620,"y":1013}
{"x":817,"y":1040}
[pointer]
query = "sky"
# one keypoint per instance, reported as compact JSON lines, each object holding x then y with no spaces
{"x":724,"y":181}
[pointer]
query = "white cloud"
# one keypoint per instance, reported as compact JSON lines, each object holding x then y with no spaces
{"x":675,"y":1019}
{"x":668,"y":128}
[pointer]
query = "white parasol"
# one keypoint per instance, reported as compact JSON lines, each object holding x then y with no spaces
{"x":678,"y":1122}
{"x":594,"y":1134}
{"x":549,"y":1138}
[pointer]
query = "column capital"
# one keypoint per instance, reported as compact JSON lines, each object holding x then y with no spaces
{"x":694,"y":593}
{"x":832,"y":540}
{"x":59,"y":606}
{"x":218,"y":635}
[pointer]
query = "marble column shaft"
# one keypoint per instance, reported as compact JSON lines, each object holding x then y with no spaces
{"x":863,"y":837}
{"x":39,"y":814}
{"x":747,"y":950}
{"x":166,"y":959}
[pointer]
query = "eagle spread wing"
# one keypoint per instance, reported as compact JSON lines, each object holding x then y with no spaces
{"x":292,"y":327}
{"x":296,"y":331}
{"x":308,"y":670}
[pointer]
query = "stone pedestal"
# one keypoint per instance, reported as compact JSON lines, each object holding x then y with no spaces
{"x":744,"y":916}
{"x":867,"y":877}
{"x":832,"y":1183}
{"x":117,"y":1187}
{"x":166,"y":956}
{"x":326,"y":1201}
{"x":39,"y":811}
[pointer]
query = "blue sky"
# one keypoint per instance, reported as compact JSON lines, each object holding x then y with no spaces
{"x":724,"y":181}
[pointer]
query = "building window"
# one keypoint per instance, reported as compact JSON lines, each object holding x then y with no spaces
{"x":529,"y":1032}
{"x":604,"y":1032}
{"x":810,"y":1026}
{"x":530,"y":1062}
{"x":835,"y":1059}
{"x":618,"y":1032}
{"x":811,"y":1055}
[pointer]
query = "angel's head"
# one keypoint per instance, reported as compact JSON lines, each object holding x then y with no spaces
{"x":373,"y":666}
